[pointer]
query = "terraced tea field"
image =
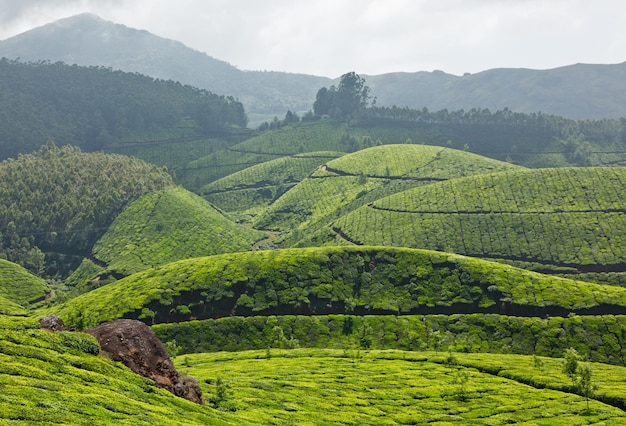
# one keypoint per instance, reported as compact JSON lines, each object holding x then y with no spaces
{"x":353,"y":387}
{"x":555,"y":217}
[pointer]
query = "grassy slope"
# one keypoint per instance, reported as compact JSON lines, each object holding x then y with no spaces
{"x":166,"y":226}
{"x":256,"y":187}
{"x":361,"y":177}
{"x":19,"y":285}
{"x":304,"y":137}
{"x":395,"y":387}
{"x":8,"y":307}
{"x":286,"y":141}
{"x":55,"y":378}
{"x":333,"y":280}
{"x":569,"y":216}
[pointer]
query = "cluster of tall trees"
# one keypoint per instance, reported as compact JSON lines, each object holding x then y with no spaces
{"x":347,"y":100}
{"x":59,"y":201}
{"x":91,"y":107}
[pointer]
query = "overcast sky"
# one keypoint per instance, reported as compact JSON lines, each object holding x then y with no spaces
{"x":331,"y":37}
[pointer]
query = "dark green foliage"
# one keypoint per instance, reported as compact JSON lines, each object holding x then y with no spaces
{"x":169,"y":225}
{"x":534,"y":140}
{"x":60,"y":201}
{"x":347,"y":100}
{"x":367,"y":280}
{"x":476,"y":333}
{"x":95,"y":107}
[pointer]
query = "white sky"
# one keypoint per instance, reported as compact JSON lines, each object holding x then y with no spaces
{"x":331,"y":37}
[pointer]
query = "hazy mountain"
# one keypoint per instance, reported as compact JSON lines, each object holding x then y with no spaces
{"x":86,"y":39}
{"x":576,"y":91}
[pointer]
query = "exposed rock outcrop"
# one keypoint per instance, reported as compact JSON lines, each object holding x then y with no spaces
{"x":135,"y":345}
{"x":52,"y":323}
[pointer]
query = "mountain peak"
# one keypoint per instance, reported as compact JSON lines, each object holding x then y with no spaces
{"x":86,"y":16}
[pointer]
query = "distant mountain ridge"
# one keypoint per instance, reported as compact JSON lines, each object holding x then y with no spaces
{"x":576,"y":91}
{"x":86,"y":39}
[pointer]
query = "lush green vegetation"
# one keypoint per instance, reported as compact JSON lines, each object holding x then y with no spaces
{"x":175,"y":153}
{"x":60,"y":201}
{"x":96,"y":107}
{"x":360,"y":280}
{"x":560,"y":217}
{"x":356,"y":179}
{"x":286,"y":141}
{"x":56,"y":378}
{"x":598,"y":338}
{"x":169,"y":225}
{"x":255,"y":187}
{"x":19,"y":285}
{"x":159,"y":253}
{"x":8,"y":307}
{"x":351,"y":387}
{"x":535,"y":140}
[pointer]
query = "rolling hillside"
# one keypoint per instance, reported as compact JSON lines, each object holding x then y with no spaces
{"x":319,"y":281}
{"x":287,"y":141}
{"x":356,"y":179}
{"x":20,"y":286}
{"x":251,"y":189}
{"x":567,"y":217}
{"x":166,"y":226}
{"x":57,"y":378}
{"x":55,"y":203}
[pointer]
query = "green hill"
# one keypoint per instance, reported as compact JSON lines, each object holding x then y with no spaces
{"x":361,"y":280}
{"x":95,"y":107}
{"x":256,"y":187}
{"x":166,"y":226}
{"x":356,"y":179}
{"x":56,"y":378}
{"x":56,"y":203}
{"x":568,"y":217}
{"x":19,"y":286}
{"x":286,"y":141}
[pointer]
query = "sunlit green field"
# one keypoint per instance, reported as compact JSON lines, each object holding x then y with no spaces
{"x":353,"y":387}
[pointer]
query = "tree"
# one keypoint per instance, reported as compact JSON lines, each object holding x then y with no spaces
{"x":345,"y":101}
{"x":291,"y":117}
{"x":352,"y":94}
{"x":580,"y":374}
{"x":570,"y":365}
{"x":585,"y":385}
{"x":324,"y":101}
